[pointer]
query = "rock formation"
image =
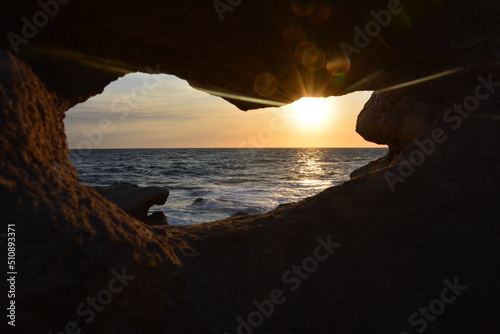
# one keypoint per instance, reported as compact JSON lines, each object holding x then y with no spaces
{"x":137,"y":201}
{"x":198,"y":201}
{"x":240,"y":214}
{"x":372,"y":255}
{"x":395,"y":121}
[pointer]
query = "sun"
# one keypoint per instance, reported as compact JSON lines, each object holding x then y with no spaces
{"x":310,"y":111}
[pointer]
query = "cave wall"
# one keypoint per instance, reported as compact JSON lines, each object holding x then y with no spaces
{"x":82,"y":48}
{"x":400,"y":230}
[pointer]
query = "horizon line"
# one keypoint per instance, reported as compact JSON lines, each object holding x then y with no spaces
{"x":207,"y":148}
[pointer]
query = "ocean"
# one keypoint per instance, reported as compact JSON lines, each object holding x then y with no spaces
{"x":212,"y":184}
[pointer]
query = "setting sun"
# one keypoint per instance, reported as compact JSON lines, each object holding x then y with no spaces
{"x":174,"y":115}
{"x":311,"y":111}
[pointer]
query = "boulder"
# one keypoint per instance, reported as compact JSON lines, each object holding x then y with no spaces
{"x":393,"y":120}
{"x":198,"y":201}
{"x":137,"y":201}
{"x":240,"y":214}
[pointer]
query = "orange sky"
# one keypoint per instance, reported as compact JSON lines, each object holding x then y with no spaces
{"x":161,"y":111}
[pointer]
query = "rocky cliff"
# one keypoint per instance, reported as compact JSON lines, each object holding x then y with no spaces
{"x":410,"y":245}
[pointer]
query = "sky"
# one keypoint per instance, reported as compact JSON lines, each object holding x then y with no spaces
{"x":143,"y":110}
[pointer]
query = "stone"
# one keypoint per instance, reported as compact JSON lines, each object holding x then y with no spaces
{"x":393,"y":120}
{"x":240,"y":214}
{"x":137,"y":201}
{"x":198,"y":201}
{"x":156,"y":218}
{"x":283,"y":205}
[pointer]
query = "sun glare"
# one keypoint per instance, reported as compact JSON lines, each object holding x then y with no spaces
{"x":310,"y":111}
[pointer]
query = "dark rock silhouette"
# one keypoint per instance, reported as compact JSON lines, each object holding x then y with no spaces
{"x":198,"y":201}
{"x":240,"y":214}
{"x":137,"y":201}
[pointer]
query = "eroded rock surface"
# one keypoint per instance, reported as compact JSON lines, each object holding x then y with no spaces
{"x":393,"y":120}
{"x":69,"y":240}
{"x":88,"y":44}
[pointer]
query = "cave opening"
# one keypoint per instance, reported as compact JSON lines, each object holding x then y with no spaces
{"x":217,"y":161}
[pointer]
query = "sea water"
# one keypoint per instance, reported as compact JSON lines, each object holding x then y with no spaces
{"x":225,"y":181}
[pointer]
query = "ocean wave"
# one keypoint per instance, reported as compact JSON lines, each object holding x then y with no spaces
{"x":173,"y":187}
{"x":112,"y":170}
{"x":199,"y":193}
{"x":216,"y":203}
{"x":174,"y":171}
{"x":230,"y":180}
{"x":327,"y":160}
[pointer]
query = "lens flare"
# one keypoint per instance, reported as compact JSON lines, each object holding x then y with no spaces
{"x":421,"y":80}
{"x":266,"y":84}
{"x":306,"y":53}
{"x":317,"y":10}
{"x":322,"y":11}
{"x":338,"y":64}
{"x":310,"y":56}
{"x":303,"y":7}
{"x":319,"y":63}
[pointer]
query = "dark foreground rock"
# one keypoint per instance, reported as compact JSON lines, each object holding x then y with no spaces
{"x":198,"y":201}
{"x":412,"y":247}
{"x":240,"y":214}
{"x":137,"y":201}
